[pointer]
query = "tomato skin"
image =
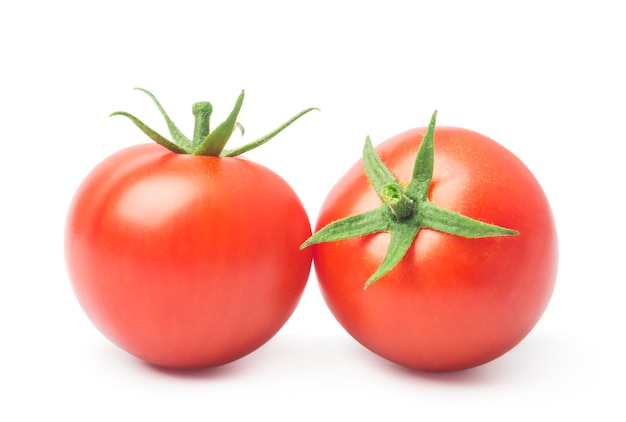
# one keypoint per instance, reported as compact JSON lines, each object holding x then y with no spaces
{"x":186,"y":261}
{"x":451,"y":303}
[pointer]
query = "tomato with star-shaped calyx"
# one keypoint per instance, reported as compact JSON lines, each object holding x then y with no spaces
{"x":179,"y":252}
{"x":438,"y":250}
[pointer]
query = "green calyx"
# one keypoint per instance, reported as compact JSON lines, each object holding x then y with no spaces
{"x":405,"y":210}
{"x":204,"y":141}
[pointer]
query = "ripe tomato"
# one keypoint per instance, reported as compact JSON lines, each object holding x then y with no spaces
{"x":451,"y":302}
{"x":186,"y":260}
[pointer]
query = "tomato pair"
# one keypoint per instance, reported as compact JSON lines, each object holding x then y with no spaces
{"x":186,"y":255}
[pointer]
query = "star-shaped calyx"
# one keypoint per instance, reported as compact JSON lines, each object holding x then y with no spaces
{"x":205,"y":142}
{"x":405,"y":210}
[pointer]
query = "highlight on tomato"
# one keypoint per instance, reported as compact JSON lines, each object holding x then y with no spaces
{"x":183,"y":253}
{"x":438,"y":250}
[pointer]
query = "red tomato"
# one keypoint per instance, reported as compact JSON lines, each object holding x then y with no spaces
{"x":183,"y":260}
{"x":451,"y":302}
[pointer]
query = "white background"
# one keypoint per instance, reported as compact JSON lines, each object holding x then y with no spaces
{"x":544,"y":78}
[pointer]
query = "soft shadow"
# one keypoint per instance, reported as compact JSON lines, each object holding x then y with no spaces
{"x":477,"y":375}
{"x":225,"y":371}
{"x":128,"y":362}
{"x":538,"y":357}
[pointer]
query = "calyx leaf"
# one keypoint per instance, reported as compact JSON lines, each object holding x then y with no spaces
{"x":204,"y":141}
{"x":405,"y":210}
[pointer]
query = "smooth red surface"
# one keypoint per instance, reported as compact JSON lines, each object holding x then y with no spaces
{"x":451,"y":303}
{"x":186,"y":261}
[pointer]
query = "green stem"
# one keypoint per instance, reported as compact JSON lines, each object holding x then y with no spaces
{"x":202,"y":112}
{"x":401,"y":205}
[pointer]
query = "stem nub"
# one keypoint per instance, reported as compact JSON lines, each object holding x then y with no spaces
{"x":202,"y":112}
{"x":401,"y":205}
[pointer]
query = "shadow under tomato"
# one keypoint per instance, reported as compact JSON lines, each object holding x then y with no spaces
{"x":539,"y":357}
{"x":477,"y":375}
{"x":121,"y":361}
{"x":536,"y":358}
{"x":217,"y":372}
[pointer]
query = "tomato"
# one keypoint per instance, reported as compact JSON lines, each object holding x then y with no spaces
{"x":451,"y":302}
{"x":185,"y":260}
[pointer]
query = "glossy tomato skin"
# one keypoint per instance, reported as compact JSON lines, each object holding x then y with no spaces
{"x":186,"y":261}
{"x":452,"y":303}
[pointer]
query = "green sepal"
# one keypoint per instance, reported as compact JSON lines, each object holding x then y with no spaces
{"x":377,"y":173}
{"x":399,"y":243}
{"x":356,"y":225}
{"x":446,"y":221}
{"x":264,"y":139}
{"x":179,"y":138}
{"x":424,"y":164}
{"x":156,"y":137}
